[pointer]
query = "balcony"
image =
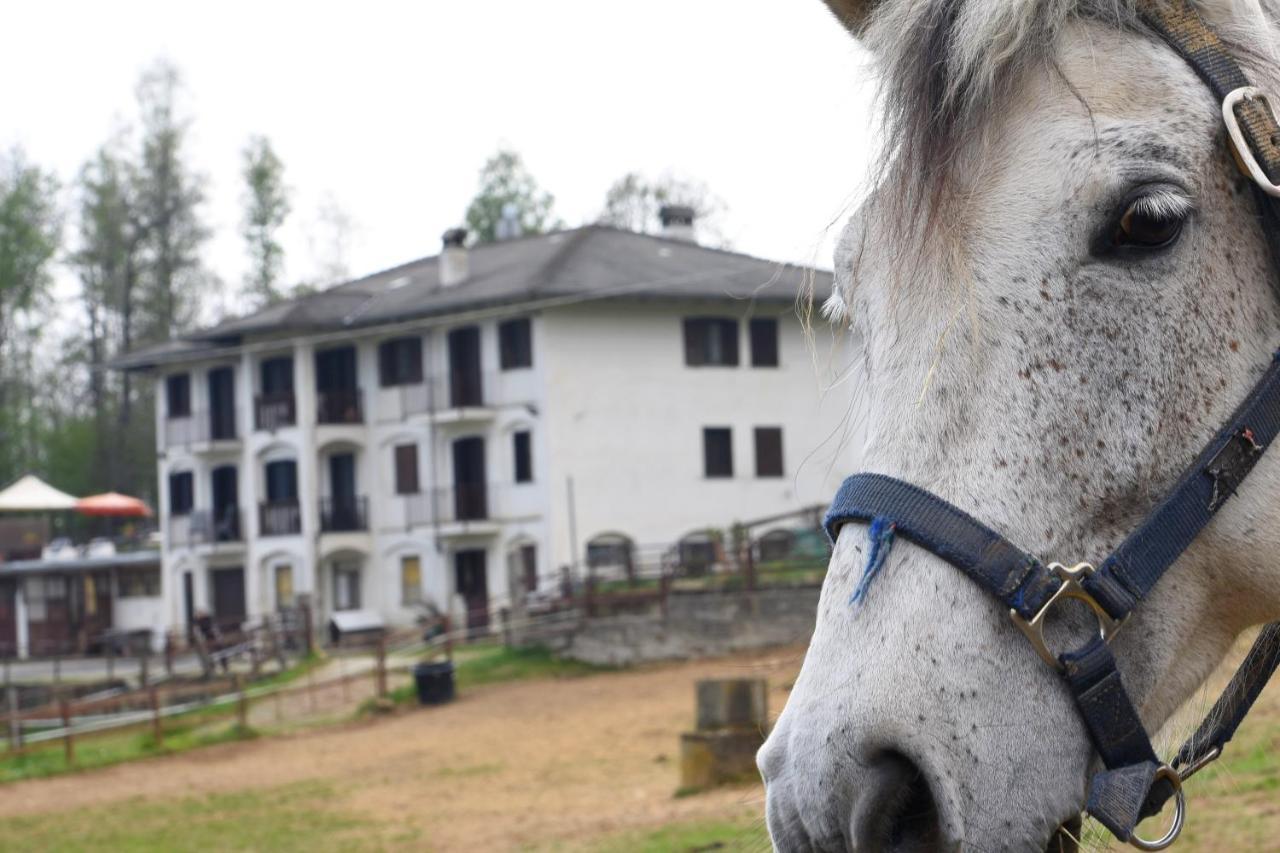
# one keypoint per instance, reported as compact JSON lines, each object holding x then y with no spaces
{"x":343,"y":406}
{"x":273,"y":411}
{"x":206,"y":527}
{"x":280,"y":518}
{"x":184,"y":431}
{"x":344,"y":515}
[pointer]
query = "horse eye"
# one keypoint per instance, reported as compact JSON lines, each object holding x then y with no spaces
{"x":1142,"y":228}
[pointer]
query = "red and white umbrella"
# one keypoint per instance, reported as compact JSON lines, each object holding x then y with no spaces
{"x":113,"y":504}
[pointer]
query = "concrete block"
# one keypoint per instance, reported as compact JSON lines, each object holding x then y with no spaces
{"x":732,"y":703}
{"x":708,"y":759}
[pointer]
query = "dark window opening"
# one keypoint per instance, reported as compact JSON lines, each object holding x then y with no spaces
{"x":177,"y":394}
{"x":768,"y":451}
{"x":764,"y":342}
{"x":182,"y":493}
{"x":710,"y":342}
{"x":406,"y":456}
{"x":400,"y":362}
{"x":717,"y":451}
{"x":466,"y":387}
{"x":277,"y":375}
{"x":515,"y":344}
{"x":524,"y":456}
{"x":282,"y":481}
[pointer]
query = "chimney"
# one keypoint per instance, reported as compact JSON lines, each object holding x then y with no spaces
{"x":508,"y":227}
{"x":677,"y":222}
{"x":454,"y":267}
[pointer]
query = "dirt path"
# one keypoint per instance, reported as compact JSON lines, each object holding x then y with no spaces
{"x":504,"y":766}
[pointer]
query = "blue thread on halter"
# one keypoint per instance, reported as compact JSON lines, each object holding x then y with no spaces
{"x":880,"y":535}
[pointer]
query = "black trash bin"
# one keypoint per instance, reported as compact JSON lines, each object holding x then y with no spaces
{"x":434,"y":682}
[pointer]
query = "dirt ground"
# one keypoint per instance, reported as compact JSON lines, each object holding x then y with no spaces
{"x":504,"y":767}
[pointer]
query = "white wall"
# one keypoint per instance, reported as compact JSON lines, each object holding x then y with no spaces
{"x":624,"y":419}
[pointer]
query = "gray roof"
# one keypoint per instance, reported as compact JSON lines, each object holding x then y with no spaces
{"x":592,"y":262}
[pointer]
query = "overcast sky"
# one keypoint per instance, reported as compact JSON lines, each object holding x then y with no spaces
{"x":389,"y":109}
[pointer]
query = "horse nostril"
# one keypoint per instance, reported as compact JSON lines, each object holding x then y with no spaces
{"x":899,"y":812}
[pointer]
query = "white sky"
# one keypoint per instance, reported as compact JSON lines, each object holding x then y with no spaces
{"x":391,"y":108}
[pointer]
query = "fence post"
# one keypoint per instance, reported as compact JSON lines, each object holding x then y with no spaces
{"x":448,"y":637}
{"x":111,"y":658}
{"x":157,"y":722}
{"x":381,"y":671}
{"x":15,"y":725}
{"x":242,"y":701}
{"x":144,"y":662}
{"x":308,"y":630}
{"x":68,"y":743}
{"x":311,"y":687}
{"x":168,"y":653}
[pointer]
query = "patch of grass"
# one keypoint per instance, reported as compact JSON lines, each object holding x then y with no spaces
{"x":489,"y":664}
{"x":293,"y":817}
{"x":746,"y":832}
{"x":200,"y":728}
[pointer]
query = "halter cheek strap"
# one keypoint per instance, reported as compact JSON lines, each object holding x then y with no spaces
{"x":1135,"y":784}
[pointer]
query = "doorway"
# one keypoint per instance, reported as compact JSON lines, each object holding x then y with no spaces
{"x":227,"y":586}
{"x":222,"y":404}
{"x":226,"y":504}
{"x":465,"y":383}
{"x":470,"y":497}
{"x":471,"y":582}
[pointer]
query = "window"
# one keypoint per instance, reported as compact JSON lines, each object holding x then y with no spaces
{"x":768,"y":451}
{"x":410,"y":581}
{"x":515,"y":344}
{"x":529,"y":565}
{"x":710,"y":341}
{"x":282,"y":481}
{"x":717,"y":451}
{"x":400,"y":362}
{"x":177,"y":394}
{"x":764,"y":341}
{"x":406,"y":469}
{"x":523,"y":456}
{"x":139,"y":583}
{"x":284,"y":585}
{"x":181,"y":493}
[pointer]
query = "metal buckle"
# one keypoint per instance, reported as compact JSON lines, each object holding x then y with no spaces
{"x":1200,"y":763}
{"x":1245,"y":158}
{"x":1070,"y":588}
{"x":1179,"y":813}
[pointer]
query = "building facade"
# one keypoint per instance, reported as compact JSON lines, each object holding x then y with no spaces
{"x":477,"y":423}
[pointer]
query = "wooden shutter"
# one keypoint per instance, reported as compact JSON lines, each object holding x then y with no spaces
{"x":768,"y":451}
{"x":764,"y":342}
{"x":717,"y":452}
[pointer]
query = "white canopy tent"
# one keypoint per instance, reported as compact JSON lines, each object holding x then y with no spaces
{"x":31,"y":494}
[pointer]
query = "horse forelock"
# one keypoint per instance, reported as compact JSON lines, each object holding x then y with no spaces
{"x":947,"y":65}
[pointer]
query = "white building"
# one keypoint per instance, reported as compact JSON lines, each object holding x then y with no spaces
{"x":428,"y":431}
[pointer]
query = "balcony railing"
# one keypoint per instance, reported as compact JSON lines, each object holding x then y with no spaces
{"x":205,"y":526}
{"x":273,"y":411}
{"x":279,"y":518}
{"x":344,"y":515}
{"x":466,"y":502}
{"x":181,"y":431}
{"x":343,"y":406}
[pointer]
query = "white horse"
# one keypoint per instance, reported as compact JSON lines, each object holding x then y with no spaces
{"x":1063,"y":291}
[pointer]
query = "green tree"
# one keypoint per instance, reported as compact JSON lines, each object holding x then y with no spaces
{"x":632,"y":202}
{"x":266,"y":206}
{"x":169,"y":200}
{"x":506,"y":185}
{"x":30,"y":232}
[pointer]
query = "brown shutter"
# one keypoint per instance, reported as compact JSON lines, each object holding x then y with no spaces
{"x":769,"y":451}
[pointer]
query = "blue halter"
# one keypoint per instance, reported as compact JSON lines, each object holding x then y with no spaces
{"x":1136,"y":784}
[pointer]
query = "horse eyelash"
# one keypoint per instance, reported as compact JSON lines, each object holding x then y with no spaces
{"x":1163,"y":205}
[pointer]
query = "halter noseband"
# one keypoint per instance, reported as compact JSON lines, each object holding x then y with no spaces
{"x":1136,"y":784}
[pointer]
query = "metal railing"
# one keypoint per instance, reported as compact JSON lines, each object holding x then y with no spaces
{"x":279,"y":518}
{"x":344,"y":514}
{"x":189,"y":429}
{"x":207,"y":526}
{"x":343,"y":406}
{"x":275,"y":410}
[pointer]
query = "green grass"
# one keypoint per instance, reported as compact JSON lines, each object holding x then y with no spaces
{"x":487,"y":663}
{"x":746,"y":833}
{"x":292,"y":817}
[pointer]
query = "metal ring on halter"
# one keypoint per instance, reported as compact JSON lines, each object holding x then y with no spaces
{"x":1071,"y":587}
{"x":1245,"y":157}
{"x":1179,"y":813}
